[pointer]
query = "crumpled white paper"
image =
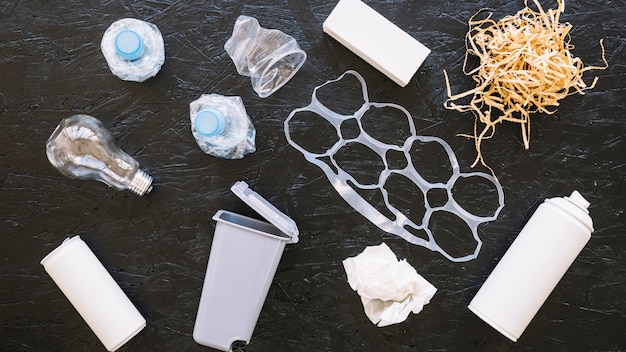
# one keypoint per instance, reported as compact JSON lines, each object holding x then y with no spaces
{"x":390,"y":289}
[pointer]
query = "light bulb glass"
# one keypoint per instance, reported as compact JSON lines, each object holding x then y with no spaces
{"x":82,"y":148}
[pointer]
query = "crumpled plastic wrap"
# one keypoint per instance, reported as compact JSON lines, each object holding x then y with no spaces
{"x":390,"y":289}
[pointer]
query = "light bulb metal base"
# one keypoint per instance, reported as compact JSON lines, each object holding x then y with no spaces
{"x":141,"y":183}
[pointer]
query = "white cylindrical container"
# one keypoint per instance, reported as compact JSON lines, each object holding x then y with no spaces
{"x":92,"y":291}
{"x":533,"y":265}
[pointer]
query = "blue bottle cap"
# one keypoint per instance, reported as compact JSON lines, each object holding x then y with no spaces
{"x":128,"y":45}
{"x":209,"y":122}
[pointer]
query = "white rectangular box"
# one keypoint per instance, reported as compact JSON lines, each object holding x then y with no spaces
{"x":376,"y":40}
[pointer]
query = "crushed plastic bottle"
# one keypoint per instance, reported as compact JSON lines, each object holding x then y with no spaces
{"x":133,"y":49}
{"x":221,"y":126}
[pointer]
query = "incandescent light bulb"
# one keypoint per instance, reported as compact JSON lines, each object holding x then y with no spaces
{"x":81,"y":147}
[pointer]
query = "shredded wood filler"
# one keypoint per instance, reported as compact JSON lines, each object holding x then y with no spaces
{"x":525,"y":67}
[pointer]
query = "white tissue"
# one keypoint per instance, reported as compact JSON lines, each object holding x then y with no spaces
{"x":390,"y":289}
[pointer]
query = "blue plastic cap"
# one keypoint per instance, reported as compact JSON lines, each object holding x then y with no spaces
{"x":209,"y":122}
{"x":128,"y":45}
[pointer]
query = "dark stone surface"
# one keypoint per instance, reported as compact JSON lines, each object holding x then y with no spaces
{"x":156,"y":247}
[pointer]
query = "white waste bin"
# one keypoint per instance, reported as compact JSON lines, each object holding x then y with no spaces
{"x":244,"y":256}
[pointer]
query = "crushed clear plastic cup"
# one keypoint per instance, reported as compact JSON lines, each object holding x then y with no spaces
{"x":269,"y":56}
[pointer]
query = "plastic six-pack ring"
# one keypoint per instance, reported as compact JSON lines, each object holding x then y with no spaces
{"x":350,"y":188}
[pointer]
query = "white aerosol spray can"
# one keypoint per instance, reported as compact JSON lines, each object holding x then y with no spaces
{"x":533,"y":265}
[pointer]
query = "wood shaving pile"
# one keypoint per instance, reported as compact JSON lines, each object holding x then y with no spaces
{"x":525,"y":67}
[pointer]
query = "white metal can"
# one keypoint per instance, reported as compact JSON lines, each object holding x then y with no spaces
{"x":93,"y":292}
{"x":534,"y":264}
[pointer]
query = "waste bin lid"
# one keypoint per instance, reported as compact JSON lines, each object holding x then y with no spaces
{"x":267,"y":210}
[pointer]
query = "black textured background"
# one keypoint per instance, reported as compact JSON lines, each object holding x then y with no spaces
{"x":156,"y":246}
